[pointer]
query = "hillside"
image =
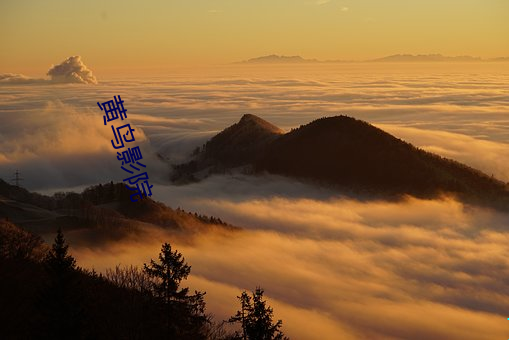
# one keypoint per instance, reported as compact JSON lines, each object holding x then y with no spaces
{"x":354,"y":157}
{"x":105,"y":207}
{"x":43,"y":301}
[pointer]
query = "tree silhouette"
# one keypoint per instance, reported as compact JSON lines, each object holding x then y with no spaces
{"x":58,"y":260}
{"x":255,"y":317}
{"x":185,"y":316}
{"x":61,"y":298}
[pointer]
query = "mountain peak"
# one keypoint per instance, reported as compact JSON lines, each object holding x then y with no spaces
{"x":238,"y":144}
{"x":254,"y":122}
{"x":249,"y":117}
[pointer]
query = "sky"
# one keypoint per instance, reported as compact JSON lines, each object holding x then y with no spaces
{"x":136,"y":36}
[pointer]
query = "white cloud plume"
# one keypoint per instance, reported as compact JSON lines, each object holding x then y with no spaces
{"x":72,"y":70}
{"x":66,"y":146}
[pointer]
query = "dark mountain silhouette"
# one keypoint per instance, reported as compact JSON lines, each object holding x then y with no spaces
{"x":345,"y":153}
{"x":233,"y":147}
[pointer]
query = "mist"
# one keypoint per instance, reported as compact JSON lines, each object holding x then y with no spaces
{"x":458,"y":112}
{"x":356,"y":269}
{"x":331,"y":265}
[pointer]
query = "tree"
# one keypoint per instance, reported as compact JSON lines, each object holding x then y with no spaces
{"x":185,"y":314}
{"x":16,"y":243}
{"x":129,"y":277}
{"x":61,"y":299}
{"x":58,"y":260}
{"x":255,"y":318}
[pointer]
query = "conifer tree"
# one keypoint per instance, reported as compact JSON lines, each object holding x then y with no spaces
{"x":255,"y":318}
{"x":58,"y":260}
{"x":61,"y":299}
{"x":185,"y":316}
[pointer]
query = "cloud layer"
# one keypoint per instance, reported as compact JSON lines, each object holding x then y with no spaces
{"x":59,"y":146}
{"x":18,"y":79}
{"x":340,"y":268}
{"x":459,"y":113}
{"x":420,"y":269}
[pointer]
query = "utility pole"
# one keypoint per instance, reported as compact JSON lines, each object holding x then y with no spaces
{"x":17,"y":178}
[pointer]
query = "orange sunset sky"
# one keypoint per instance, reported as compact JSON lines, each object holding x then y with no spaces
{"x":137,"y":35}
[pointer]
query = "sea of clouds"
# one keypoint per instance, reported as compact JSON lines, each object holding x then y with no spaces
{"x":459,"y":113}
{"x":331,"y":266}
{"x":342,"y":269}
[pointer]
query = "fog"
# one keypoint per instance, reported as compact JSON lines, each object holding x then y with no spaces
{"x":177,"y":112}
{"x":423,"y":269}
{"x":330,"y":265}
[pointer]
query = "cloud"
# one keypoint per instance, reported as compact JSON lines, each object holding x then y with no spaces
{"x":18,"y":78}
{"x":488,"y":156}
{"x":344,"y":9}
{"x":179,"y":113}
{"x":72,"y":70}
{"x":59,"y":145}
{"x":420,"y":269}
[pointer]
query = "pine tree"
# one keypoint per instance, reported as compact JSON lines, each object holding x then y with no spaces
{"x":185,"y":316}
{"x":255,"y":317}
{"x":241,"y":316}
{"x":61,"y":298}
{"x":58,"y":260}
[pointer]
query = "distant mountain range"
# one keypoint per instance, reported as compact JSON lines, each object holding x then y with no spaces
{"x":277,"y":59}
{"x":426,"y":58}
{"x":280,"y":59}
{"x":344,"y":153}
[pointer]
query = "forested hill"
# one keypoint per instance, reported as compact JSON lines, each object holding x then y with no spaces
{"x":350,"y":155}
{"x":106,"y":207}
{"x":45,"y":294}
